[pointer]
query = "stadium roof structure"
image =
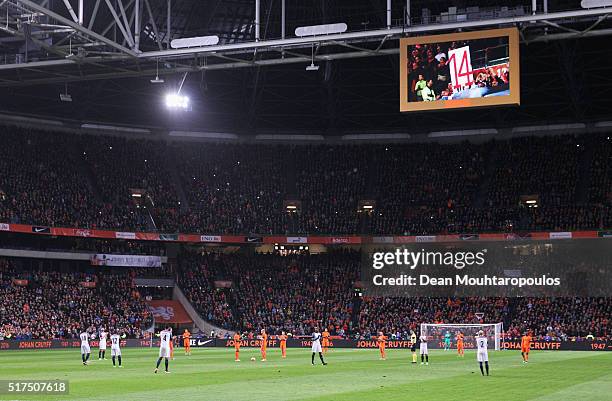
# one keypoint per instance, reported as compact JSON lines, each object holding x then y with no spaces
{"x":105,"y":52}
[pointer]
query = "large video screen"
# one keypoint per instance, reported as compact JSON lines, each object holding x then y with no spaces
{"x":468,"y":69}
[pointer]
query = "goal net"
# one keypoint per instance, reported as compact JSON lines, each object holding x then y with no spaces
{"x":436,"y":332}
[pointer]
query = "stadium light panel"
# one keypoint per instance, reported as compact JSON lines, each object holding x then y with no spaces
{"x":175,"y":101}
{"x":326,"y":29}
{"x":197,"y":41}
{"x":196,"y":134}
{"x":115,"y":128}
{"x":595,"y":3}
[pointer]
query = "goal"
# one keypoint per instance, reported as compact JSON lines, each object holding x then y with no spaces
{"x":437,"y":331}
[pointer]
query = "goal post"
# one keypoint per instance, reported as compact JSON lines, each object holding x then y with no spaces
{"x":437,"y":332}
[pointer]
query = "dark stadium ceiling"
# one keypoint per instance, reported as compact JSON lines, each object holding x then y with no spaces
{"x":106,"y":61}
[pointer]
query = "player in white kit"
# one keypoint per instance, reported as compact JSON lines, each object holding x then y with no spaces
{"x":85,"y":350}
{"x":115,"y":340}
{"x":316,"y":346}
{"x":482,"y":353}
{"x":102,"y":345}
{"x":165,"y":336}
{"x":423,"y":349}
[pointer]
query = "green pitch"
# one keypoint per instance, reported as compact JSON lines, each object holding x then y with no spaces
{"x":212,"y":374}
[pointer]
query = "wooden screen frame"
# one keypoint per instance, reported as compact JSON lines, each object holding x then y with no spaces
{"x":514,"y":98}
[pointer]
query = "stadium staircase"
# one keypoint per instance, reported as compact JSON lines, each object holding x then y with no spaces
{"x":204,"y":326}
{"x":291,"y":191}
{"x":356,"y":311}
{"x":371,"y":183}
{"x":170,"y":162}
{"x":480,"y":198}
{"x":512,"y":311}
{"x":584,"y":173}
{"x":88,"y":174}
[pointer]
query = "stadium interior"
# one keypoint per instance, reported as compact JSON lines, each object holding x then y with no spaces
{"x":231,"y":186}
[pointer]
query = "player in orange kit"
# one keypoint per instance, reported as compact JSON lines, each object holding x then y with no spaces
{"x":186,"y":342}
{"x":237,"y":339}
{"x":264,"y":344}
{"x":325,"y":341}
{"x":525,"y":346}
{"x":460,"y":351}
{"x":381,"y":339}
{"x":283,"y":344}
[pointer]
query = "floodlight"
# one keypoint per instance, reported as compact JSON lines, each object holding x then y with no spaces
{"x":177,"y":102}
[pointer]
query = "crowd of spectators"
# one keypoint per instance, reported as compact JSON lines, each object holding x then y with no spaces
{"x":124,"y":167}
{"x":425,"y":188}
{"x":250,"y":291}
{"x":600,"y":186}
{"x":567,"y":319}
{"x":330,"y":181}
{"x":290,"y":293}
{"x":89,"y":181}
{"x":296,"y":292}
{"x":400,"y":315}
{"x":563,"y":318}
{"x":42,"y":303}
{"x":40,"y":181}
{"x":197,"y":274}
{"x":232,"y":188}
{"x":545,"y":166}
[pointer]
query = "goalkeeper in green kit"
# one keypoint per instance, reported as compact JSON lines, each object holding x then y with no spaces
{"x":447,"y":341}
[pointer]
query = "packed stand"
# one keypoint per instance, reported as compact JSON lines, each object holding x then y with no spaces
{"x":330,"y":181}
{"x":549,"y":319}
{"x":197,"y":274}
{"x":271,"y":291}
{"x":89,"y":181}
{"x":124,"y":167}
{"x":41,"y":181}
{"x":232,"y":189}
{"x":400,"y":315}
{"x":600,"y":187}
{"x":47,"y":304}
{"x":427,"y":188}
{"x":563,"y":318}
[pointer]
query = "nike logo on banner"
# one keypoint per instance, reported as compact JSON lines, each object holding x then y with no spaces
{"x":203,"y":342}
